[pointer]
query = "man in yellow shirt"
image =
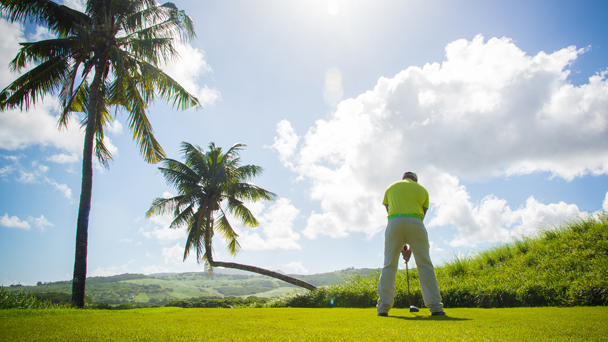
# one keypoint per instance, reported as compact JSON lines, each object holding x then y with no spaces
{"x":406,"y":203}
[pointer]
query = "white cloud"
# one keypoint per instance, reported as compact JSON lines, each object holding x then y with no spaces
{"x":42,"y":33}
{"x":297,"y":267}
{"x":605,"y":204}
{"x":489,"y":110}
{"x":188,"y":69}
{"x":275,"y":228}
{"x":13,"y":222}
{"x":115,"y":127}
{"x":63,"y":188}
{"x":175,"y":254}
{"x":161,"y":231}
{"x":108,"y":271}
{"x":286,"y":143}
{"x":494,"y":221}
{"x":41,"y":222}
{"x":34,"y":175}
{"x":534,"y":216}
{"x":110,"y":146}
{"x":37,"y":126}
{"x":155,"y":269}
{"x":111,"y":270}
{"x":434,"y":247}
{"x":63,"y":158}
{"x":75,"y":4}
{"x":12,"y":35}
{"x":125,"y":240}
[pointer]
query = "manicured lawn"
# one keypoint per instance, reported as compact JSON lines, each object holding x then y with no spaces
{"x":175,"y":324}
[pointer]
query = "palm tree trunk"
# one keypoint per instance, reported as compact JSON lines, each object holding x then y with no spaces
{"x":82,"y":228}
{"x":265,"y":272}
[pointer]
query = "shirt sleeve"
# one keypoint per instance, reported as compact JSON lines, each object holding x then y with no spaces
{"x":426,"y":201}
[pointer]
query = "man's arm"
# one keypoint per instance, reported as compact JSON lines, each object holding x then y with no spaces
{"x":424,"y":209}
{"x":386,"y":206}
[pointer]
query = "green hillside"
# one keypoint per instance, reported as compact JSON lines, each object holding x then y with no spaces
{"x":563,"y":266}
{"x":162,"y":288}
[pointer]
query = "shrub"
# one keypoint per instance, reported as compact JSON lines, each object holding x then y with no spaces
{"x":21,"y":300}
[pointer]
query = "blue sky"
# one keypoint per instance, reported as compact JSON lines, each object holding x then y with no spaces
{"x":501,"y":107}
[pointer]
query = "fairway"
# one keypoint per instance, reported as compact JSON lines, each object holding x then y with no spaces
{"x":175,"y":324}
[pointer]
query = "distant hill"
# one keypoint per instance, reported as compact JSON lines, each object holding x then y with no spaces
{"x":160,"y":288}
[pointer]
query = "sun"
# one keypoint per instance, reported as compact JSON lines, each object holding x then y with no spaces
{"x":333,"y":7}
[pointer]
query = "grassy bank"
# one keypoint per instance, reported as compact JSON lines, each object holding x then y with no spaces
{"x":174,"y":324}
{"x":562,"y":266}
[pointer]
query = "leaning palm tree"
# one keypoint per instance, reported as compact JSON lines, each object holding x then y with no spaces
{"x":106,"y":57}
{"x":212,"y":185}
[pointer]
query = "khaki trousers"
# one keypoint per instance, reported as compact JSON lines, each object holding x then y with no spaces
{"x":411,"y":231}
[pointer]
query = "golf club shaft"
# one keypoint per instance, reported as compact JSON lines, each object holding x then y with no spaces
{"x":407,"y":273}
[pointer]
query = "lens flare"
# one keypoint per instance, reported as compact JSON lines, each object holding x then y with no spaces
{"x":333,"y":90}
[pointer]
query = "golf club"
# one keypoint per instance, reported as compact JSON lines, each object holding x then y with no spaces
{"x":406,"y":253}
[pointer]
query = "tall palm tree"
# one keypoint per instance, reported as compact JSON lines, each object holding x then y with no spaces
{"x":210,"y":185}
{"x":117,"y":45}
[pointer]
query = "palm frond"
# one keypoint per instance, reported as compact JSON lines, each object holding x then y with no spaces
{"x":251,"y":192}
{"x":67,"y":95}
{"x":103,"y":118}
{"x":234,"y":152}
{"x":241,"y":212}
{"x":166,"y":19}
{"x":223,"y":227}
{"x":139,"y":124}
{"x":58,"y":18}
{"x":182,"y":216}
{"x":148,"y":13}
{"x":195,"y":239}
{"x":247,"y":172}
{"x":196,"y":159}
{"x":152,"y":50}
{"x":79,"y":102}
{"x":166,"y":87}
{"x":43,"y":50}
{"x":163,"y":206}
{"x":34,"y":84}
{"x":176,"y":173}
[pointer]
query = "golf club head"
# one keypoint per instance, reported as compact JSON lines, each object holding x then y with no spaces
{"x":414,"y":309}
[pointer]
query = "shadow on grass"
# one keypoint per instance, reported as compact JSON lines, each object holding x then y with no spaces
{"x":429,"y":318}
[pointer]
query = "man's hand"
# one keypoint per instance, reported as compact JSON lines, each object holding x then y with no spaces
{"x":406,"y":253}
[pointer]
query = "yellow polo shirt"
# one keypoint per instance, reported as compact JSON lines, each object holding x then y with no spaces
{"x":406,"y":197}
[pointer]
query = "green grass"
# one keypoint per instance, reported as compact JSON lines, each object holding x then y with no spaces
{"x":174,"y":324}
{"x":142,"y":297}
{"x":562,"y":266}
